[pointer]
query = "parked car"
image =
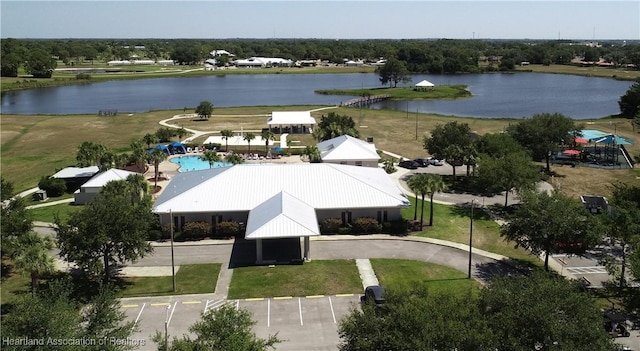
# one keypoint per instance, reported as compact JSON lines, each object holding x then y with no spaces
{"x":409,"y":164}
{"x":435,"y":162}
{"x":373,"y":294}
{"x":422,"y":162}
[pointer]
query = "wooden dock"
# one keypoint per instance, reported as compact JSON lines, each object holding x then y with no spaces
{"x":364,"y":101}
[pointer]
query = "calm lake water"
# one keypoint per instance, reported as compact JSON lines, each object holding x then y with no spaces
{"x":495,"y":95}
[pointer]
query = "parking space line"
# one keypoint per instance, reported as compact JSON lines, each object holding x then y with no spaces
{"x":191,"y":302}
{"x":164,"y":304}
{"x":300,"y":309}
{"x":129,"y":306}
{"x":268,"y":313}
{"x":255,"y":299}
{"x":344,"y":295}
{"x":172,"y":310}
{"x":314,"y":296}
{"x":332,"y":312}
{"x":138,"y":317}
{"x":283,"y":298}
{"x":213,"y":304}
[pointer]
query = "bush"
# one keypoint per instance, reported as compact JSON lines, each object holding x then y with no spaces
{"x":345,"y":229}
{"x":366,"y":225}
{"x":398,"y":227}
{"x":228,"y":228}
{"x":196,"y":230}
{"x":83,"y":76}
{"x":53,"y":186}
{"x":330,"y":225}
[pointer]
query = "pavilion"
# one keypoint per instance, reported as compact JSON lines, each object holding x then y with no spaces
{"x":291,"y":122}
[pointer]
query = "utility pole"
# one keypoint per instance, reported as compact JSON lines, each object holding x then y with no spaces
{"x":471,"y":237}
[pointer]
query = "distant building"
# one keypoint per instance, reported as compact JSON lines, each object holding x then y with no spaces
{"x":93,"y":186}
{"x":263,"y":62}
{"x":348,"y":150}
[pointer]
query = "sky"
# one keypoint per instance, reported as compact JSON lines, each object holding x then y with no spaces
{"x":417,"y":19}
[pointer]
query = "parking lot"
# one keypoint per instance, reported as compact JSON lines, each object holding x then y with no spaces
{"x":305,"y":323}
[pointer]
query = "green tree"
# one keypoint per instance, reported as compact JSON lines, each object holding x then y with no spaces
{"x":91,"y":154}
{"x":512,"y":171}
{"x":267,"y":136}
{"x":165,"y":134}
{"x":155,"y":158}
{"x":415,"y":184}
{"x":9,"y":65}
{"x":543,"y":134}
{"x":6,"y":189}
{"x":629,"y":103}
{"x":204,"y":110}
{"x":434,"y":185}
{"x":138,"y":155}
{"x":180,"y":132}
{"x":542,"y":311}
{"x":451,"y":134}
{"x":15,"y":221}
{"x":417,"y":319}
{"x":551,"y":223}
{"x":150,"y":139}
{"x":249,"y":137}
{"x":40,"y":64}
{"x":224,"y":328}
{"x":31,"y":256}
{"x":234,"y":159}
{"x":54,"y":314}
{"x":210,"y":156}
{"x":226,"y":134}
{"x":110,"y":230}
{"x":622,"y":227}
{"x":334,"y":125}
{"x":393,"y":72}
{"x":312,"y":153}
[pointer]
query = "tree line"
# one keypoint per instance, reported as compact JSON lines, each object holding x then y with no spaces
{"x":419,"y":55}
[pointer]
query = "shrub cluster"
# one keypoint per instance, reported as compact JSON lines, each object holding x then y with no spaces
{"x":53,"y":186}
{"x":228,"y":228}
{"x":196,"y":230}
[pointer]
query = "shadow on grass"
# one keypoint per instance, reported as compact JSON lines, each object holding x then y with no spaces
{"x":509,"y":267}
{"x":464,"y":210}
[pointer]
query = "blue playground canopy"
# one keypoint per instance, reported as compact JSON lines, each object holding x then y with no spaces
{"x":177,"y":147}
{"x":164,"y":148}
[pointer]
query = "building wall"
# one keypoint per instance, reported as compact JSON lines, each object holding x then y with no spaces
{"x":367,"y":163}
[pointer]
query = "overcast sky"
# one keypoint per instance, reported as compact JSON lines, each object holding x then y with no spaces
{"x":504,"y":19}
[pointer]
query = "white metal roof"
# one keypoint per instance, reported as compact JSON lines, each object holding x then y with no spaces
{"x":291,"y":117}
{"x":425,"y":83}
{"x":346,"y":147}
{"x":243,"y":187}
{"x":77,"y":172}
{"x":105,"y":177}
{"x":282,"y":216}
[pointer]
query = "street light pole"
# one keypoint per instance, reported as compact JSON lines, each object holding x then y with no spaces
{"x":471,"y":237}
{"x":173,"y":265}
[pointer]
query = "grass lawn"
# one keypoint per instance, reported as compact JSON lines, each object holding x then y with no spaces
{"x":313,"y":278}
{"x":190,"y":279}
{"x":406,"y":274}
{"x":48,"y":213}
{"x":604,"y":72}
{"x":452,"y":223}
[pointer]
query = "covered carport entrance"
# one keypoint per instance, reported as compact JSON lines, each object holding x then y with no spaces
{"x":283,"y":216}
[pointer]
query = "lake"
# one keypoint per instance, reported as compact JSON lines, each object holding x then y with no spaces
{"x":499,"y":95}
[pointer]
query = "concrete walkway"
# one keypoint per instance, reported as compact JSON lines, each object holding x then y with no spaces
{"x":367,"y":275}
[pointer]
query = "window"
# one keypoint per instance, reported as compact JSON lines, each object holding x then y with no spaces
{"x":346,"y":217}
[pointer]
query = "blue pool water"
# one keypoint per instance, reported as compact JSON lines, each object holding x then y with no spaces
{"x":194,"y":163}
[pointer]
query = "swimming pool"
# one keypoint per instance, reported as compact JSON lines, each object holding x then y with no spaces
{"x":194,"y":163}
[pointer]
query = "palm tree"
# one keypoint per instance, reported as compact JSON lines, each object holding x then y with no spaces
{"x":139,"y":185}
{"x":226,"y":134}
{"x":414,"y":185}
{"x":138,"y":154}
{"x":156,"y":157}
{"x":210,"y":156}
{"x":150,"y":139}
{"x":312,"y":152}
{"x":181,"y":132}
{"x":248,"y":138}
{"x":434,"y":185}
{"x":234,"y":159}
{"x":32,"y":256}
{"x":266,"y":136}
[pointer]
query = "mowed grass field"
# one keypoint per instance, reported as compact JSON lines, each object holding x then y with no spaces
{"x":36,"y":146}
